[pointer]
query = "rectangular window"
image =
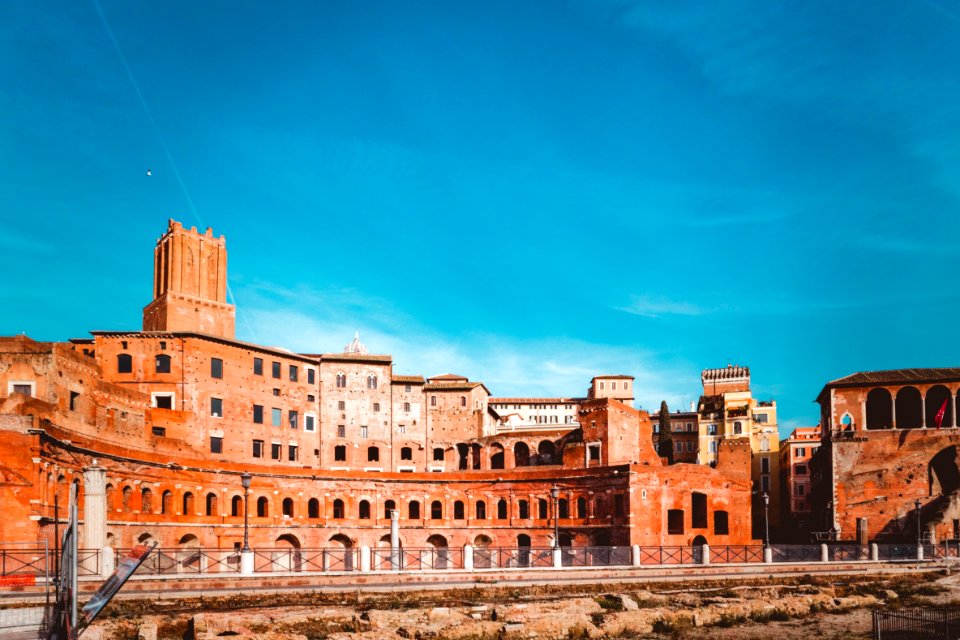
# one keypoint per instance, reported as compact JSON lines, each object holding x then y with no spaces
{"x":275,"y":450}
{"x":402,"y":428}
{"x":376,"y":407}
{"x":406,"y":388}
{"x":801,"y":452}
{"x":760,"y":417}
{"x":341,"y":431}
{"x":311,"y":397}
{"x":311,"y":376}
{"x":216,"y":444}
{"x":340,"y":453}
{"x":293,"y":419}
{"x":293,"y":373}
{"x":292,"y":453}
{"x":216,"y":407}
{"x":163,"y":401}
{"x":277,"y":417}
{"x":216,"y":368}
{"x":258,"y":366}
{"x":593,"y":452}
{"x":159,"y":431}
{"x":764,"y":465}
{"x":675,"y":521}
{"x":258,"y":448}
{"x":363,"y":432}
{"x":258,"y":414}
{"x":308,"y":423}
{"x":276,"y":370}
{"x":438,"y":455}
{"x":801,"y":490}
{"x":765,"y":483}
{"x":73,"y":400}
{"x":618,"y":505}
{"x":341,"y":405}
{"x":801,"y":469}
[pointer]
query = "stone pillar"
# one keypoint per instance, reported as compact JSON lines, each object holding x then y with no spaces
{"x":108,"y":562}
{"x":705,"y":554}
{"x":635,"y":555}
{"x":923,"y":410}
{"x":364,"y":559}
{"x":824,"y":553}
{"x":953,"y":410}
{"x":874,"y":552}
{"x":768,"y":555}
{"x":893,"y":410}
{"x":919,"y":552}
{"x":394,"y":539}
{"x":246,"y":563}
{"x":94,"y":511}
{"x":862,"y":532}
{"x":467,"y":557}
{"x":557,"y":558}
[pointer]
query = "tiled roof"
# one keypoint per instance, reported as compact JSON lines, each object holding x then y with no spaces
{"x":897,"y":376}
{"x":535,"y":400}
{"x":612,"y":377}
{"x":447,"y":377}
{"x":206,"y":336}
{"x":407,"y":380}
{"x":355,"y":357}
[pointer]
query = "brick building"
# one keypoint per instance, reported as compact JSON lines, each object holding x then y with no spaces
{"x":889,"y":455}
{"x":796,"y":452}
{"x":157,"y":426}
{"x":685,"y":430}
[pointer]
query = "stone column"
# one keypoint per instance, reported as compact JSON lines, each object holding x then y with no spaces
{"x":824,"y":553}
{"x":875,"y":552}
{"x":635,"y":555}
{"x":893,"y":410}
{"x":94,"y":511}
{"x":923,"y":410}
{"x":953,"y":409}
{"x":557,"y":558}
{"x":705,"y":554}
{"x":394,"y":539}
{"x":467,"y":557}
{"x":768,"y":555}
{"x":365,"y":559}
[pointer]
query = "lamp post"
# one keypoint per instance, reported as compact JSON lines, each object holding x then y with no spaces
{"x":245,"y":480}
{"x":766,"y":520}
{"x":917,"y":505}
{"x":555,"y":493}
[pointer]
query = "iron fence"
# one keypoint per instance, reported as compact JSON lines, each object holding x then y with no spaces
{"x":595,"y":556}
{"x":847,"y":552}
{"x":916,"y":624}
{"x":795,"y":553}
{"x":516,"y":558}
{"x":736,"y":553}
{"x":895,"y":552}
{"x":286,"y":560}
{"x":185,"y":560}
{"x":667,"y":555}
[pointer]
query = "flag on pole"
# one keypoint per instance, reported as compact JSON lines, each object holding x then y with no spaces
{"x":941,"y":413}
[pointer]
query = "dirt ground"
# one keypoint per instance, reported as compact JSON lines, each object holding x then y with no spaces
{"x":834,"y":607}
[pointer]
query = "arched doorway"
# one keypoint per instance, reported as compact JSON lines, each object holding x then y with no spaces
{"x":482,"y":554}
{"x":437,"y":555}
{"x":944,"y":472}
{"x":523,"y":550}
{"x":937,"y":398}
{"x":188,"y":554}
{"x":546,"y":451}
{"x":879,"y":409}
{"x":463,"y":456}
{"x":340,"y":556}
{"x":698,"y":544}
{"x":909,"y":408}
{"x":286,"y":553}
{"x":496,"y":456}
{"x":521,"y":455}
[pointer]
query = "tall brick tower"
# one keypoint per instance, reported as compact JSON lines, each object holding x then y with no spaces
{"x":190,"y":284}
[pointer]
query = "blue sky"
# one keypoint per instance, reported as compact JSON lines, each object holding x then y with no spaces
{"x":525,"y":193}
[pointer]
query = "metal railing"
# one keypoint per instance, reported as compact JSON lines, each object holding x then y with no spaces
{"x":417,"y":559}
{"x":186,"y":561}
{"x":895,"y":552}
{"x":595,"y":556}
{"x":916,"y":624}
{"x":516,"y":558}
{"x":737,"y":553}
{"x":668,"y":555}
{"x":285,"y":560}
{"x":795,"y":553}
{"x":847,"y":552}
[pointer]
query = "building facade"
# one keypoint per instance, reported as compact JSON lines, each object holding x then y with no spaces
{"x":156,"y":428}
{"x":796,"y":451}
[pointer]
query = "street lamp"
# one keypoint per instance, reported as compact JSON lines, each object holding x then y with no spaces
{"x":555,"y":493}
{"x":766,"y":519}
{"x":245,"y":480}
{"x":917,"y":505}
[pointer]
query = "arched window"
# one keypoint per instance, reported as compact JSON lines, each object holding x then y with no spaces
{"x":364,"y":510}
{"x":341,"y":380}
{"x":523,"y":509}
{"x":263,"y":507}
{"x":581,"y":507}
{"x":166,"y":502}
{"x":371,"y":381}
{"x":413,"y":510}
{"x":236,"y":506}
{"x":124,"y":363}
{"x":162,"y":363}
{"x":146,"y":501}
{"x":125,"y":499}
{"x":481,"y":510}
{"x":502,"y":509}
{"x":388,"y":506}
{"x":563,"y":508}
{"x":188,"y":504}
{"x":211,"y":504}
{"x":463,"y":401}
{"x":338,"y":509}
{"x":373,"y":454}
{"x":313,"y":508}
{"x":458,"y":510}
{"x":287,"y":507}
{"x":433,"y":401}
{"x":436,"y":510}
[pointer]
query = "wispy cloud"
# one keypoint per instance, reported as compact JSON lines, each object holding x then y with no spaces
{"x":654,"y":307}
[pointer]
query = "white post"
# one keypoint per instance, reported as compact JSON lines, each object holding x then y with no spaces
{"x":246,"y":563}
{"x":394,"y":539}
{"x":557,"y":558}
{"x":94,"y":510}
{"x":874,"y":552}
{"x":768,"y":555}
{"x":467,"y":557}
{"x":919,"y":552}
{"x":364,"y":559}
{"x":824,"y":553}
{"x":109,"y":562}
{"x":705,"y":554}
{"x":635,"y":555}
